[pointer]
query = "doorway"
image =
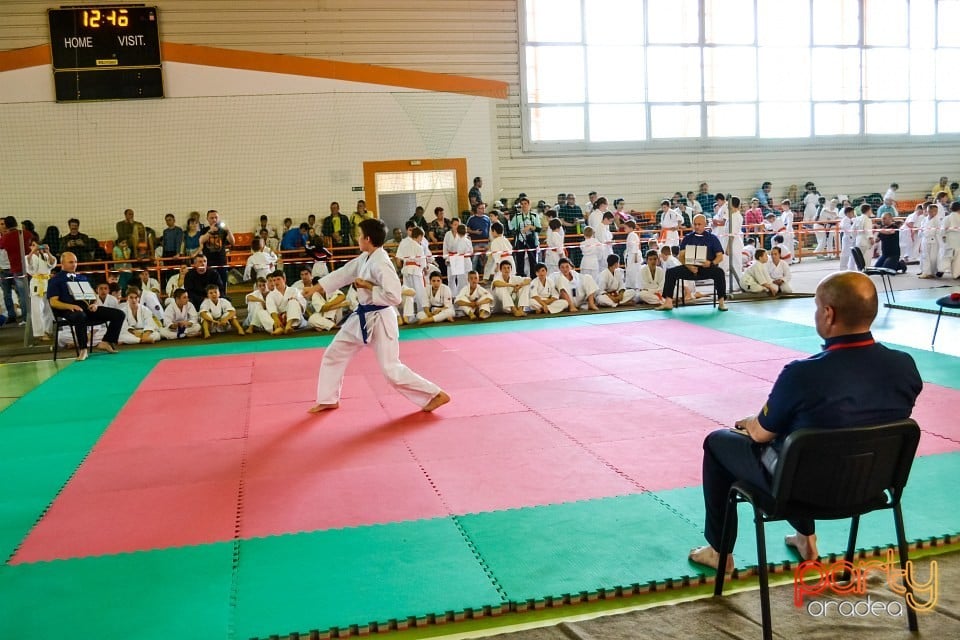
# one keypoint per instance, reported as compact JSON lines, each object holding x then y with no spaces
{"x":432,"y":183}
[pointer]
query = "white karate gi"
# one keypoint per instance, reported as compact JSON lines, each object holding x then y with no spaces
{"x":595,"y":219}
{"x":579,"y":287}
{"x":500,"y":250}
{"x":325,"y":320}
{"x":466,"y":295}
{"x":611,"y":282}
{"x":591,"y":251}
{"x":863,"y":236}
{"x":670,"y":222}
{"x":440,"y":304}
{"x":505,"y":298}
{"x":718,"y":224}
{"x":786,"y":219}
{"x":756,"y":276}
{"x":289,"y":306}
{"x":41,"y":315}
{"x":319,"y":269}
{"x":173,"y":283}
{"x":930,"y":237}
{"x":651,"y":285}
{"x":412,"y":265}
{"x":950,"y":228}
{"x":457,"y":276}
{"x":546,"y":290}
{"x":259,"y":265}
{"x":825,"y":229}
{"x":382,"y":331}
{"x":554,"y":251}
{"x":217,"y":311}
{"x":604,"y":236}
{"x":733,"y":256}
{"x":175,"y":314}
{"x":780,"y":271}
{"x":150,"y":299}
{"x":847,"y":262}
{"x":909,"y":246}
{"x":142,"y":321}
{"x":634,"y":261}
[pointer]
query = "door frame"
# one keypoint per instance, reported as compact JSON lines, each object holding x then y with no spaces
{"x":458,"y":165}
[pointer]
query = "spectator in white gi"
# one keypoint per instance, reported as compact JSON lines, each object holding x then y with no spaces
{"x":476,"y":302}
{"x":544,"y":296}
{"x":180,"y":318}
{"x":439,"y":307}
{"x":511,"y":293}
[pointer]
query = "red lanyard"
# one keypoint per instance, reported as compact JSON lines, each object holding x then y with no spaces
{"x":852,"y":345}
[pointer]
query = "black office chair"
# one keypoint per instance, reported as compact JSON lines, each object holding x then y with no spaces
{"x":883,"y":272}
{"x":829,"y":474}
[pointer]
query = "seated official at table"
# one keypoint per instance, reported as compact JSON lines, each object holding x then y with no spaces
{"x":80,"y":313}
{"x":853,"y":382}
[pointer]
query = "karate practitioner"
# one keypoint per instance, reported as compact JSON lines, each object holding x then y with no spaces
{"x":327,"y":309}
{"x":475,"y":301}
{"x":779,"y":271}
{"x":604,"y":236}
{"x":863,"y":232}
{"x":576,"y":289}
{"x":611,"y":291}
{"x":511,"y":293}
{"x":439,"y":302}
{"x":39,"y":263}
{"x":652,"y":276}
{"x":756,"y":279}
{"x":670,"y":221}
{"x":824,"y":227}
{"x":375,"y":321}
{"x":847,"y":262}
{"x":217,"y":313}
{"x":930,"y":237}
{"x":591,"y":253}
{"x":256,"y":302}
{"x":632,"y":256}
{"x":286,"y":307}
{"x":544,"y":296}
{"x":500,"y":250}
{"x":261,"y":263}
{"x":180,"y":318}
{"x":951,"y":241}
{"x":456,"y":268}
{"x":150,"y":295}
{"x":786,"y":219}
{"x":138,"y":324}
{"x":554,"y":250}
{"x":413,"y":262}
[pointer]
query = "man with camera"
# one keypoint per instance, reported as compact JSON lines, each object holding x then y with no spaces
{"x":525,"y":227}
{"x":214,"y":242}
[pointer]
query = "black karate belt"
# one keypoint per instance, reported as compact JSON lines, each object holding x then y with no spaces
{"x":362,"y":311}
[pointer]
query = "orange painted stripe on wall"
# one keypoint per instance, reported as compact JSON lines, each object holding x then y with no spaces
{"x":292,"y":65}
{"x":24,"y":58}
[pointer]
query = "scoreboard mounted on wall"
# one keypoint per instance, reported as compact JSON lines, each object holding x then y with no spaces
{"x":105,"y":52}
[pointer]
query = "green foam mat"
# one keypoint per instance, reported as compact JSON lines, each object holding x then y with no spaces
{"x":157,"y":595}
{"x":341,"y":577}
{"x":556,"y":550}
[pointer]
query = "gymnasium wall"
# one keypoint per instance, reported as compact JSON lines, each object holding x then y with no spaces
{"x":478,"y":38}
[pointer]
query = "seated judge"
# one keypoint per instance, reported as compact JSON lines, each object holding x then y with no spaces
{"x":708,"y":269}
{"x":81,"y":313}
{"x":853,"y":382}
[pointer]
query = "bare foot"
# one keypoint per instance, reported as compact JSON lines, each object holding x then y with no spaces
{"x":438,"y":401}
{"x":105,"y":346}
{"x":709,"y":557}
{"x":84,"y":354}
{"x":276,"y":332}
{"x":665,"y":306}
{"x":806,"y":546}
{"x":317,"y":408}
{"x":288,"y":329}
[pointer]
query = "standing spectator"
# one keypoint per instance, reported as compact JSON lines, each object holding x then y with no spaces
{"x":706,"y":199}
{"x":763,"y":196}
{"x":74,"y":241}
{"x":438,"y":227}
{"x":892,"y":192}
{"x":191,"y":238}
{"x":418,"y":219}
{"x":335,"y":228}
{"x":171,"y":241}
{"x":16,"y":245}
{"x":570,"y":214}
{"x":475,"y":196}
{"x":695,"y":207}
{"x":526,"y":230}
{"x":214,"y":243}
{"x":356,"y":218}
{"x":478,"y":230}
{"x":131,"y":229}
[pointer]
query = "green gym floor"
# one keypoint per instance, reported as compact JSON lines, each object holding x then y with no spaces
{"x":523,"y":539}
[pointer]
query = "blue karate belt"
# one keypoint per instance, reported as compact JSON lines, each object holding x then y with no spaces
{"x":362,"y":311}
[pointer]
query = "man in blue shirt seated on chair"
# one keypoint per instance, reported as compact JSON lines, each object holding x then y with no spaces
{"x":81,"y":313}
{"x":707,"y":269}
{"x":853,"y":382}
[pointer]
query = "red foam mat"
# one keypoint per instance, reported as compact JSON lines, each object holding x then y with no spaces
{"x":537,"y":417}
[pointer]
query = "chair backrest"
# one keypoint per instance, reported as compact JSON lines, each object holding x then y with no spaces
{"x":858,"y":258}
{"x":837,"y":473}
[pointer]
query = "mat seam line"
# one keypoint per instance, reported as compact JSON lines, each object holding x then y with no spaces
{"x":233,"y":597}
{"x":459,"y":526}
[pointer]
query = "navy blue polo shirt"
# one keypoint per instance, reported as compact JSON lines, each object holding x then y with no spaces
{"x":57,"y":286}
{"x":853,"y":382}
{"x":707,"y":240}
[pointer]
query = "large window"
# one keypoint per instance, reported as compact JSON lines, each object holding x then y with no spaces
{"x":609,"y":71}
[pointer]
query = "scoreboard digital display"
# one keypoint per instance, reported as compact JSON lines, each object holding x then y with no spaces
{"x":95,"y":50}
